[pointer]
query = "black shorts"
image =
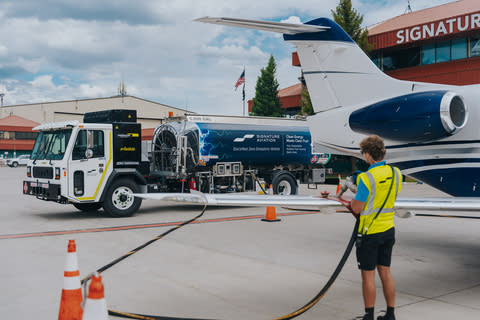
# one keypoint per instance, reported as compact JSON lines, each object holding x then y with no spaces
{"x":376,"y":249}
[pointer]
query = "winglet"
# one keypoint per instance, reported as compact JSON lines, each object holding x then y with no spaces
{"x":280,"y":27}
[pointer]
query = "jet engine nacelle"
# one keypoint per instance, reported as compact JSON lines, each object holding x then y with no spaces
{"x":415,"y":117}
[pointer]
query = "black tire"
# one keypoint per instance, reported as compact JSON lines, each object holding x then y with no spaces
{"x":88,"y":207}
{"x":285,"y":184}
{"x":15,"y":164}
{"x":119,"y":200}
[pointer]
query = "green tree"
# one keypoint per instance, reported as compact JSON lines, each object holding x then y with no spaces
{"x":351,"y":21}
{"x":306,"y":103}
{"x":266,"y":101}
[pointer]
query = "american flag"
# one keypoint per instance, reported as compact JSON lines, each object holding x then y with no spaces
{"x":240,"y":80}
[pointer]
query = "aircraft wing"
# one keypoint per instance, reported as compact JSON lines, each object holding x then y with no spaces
{"x":285,"y":28}
{"x":247,"y":200}
{"x":404,"y":206}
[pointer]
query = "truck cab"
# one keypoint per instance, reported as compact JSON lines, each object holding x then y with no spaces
{"x":92,"y":164}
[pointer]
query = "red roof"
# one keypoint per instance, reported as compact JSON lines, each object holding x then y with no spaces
{"x":16,"y":121}
{"x":294,"y":90}
{"x":448,"y":10}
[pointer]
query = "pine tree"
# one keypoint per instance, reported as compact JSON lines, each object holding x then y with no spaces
{"x":266,"y":101}
{"x":305,"y":102}
{"x":351,"y":21}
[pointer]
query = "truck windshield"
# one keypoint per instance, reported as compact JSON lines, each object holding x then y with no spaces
{"x":51,"y":145}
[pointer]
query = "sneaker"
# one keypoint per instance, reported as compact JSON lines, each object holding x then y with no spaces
{"x":366,"y":316}
{"x":384,"y":317}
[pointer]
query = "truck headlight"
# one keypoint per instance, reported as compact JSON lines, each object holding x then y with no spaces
{"x":29,"y":171}
{"x":57,"y":173}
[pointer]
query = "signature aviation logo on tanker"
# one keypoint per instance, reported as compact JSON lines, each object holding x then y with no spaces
{"x":439,"y":28}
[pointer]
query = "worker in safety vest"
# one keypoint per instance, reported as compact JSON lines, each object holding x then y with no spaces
{"x":377,"y":190}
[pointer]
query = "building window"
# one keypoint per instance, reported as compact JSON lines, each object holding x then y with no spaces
{"x":459,"y":49}
{"x":474,"y":47}
{"x":428,"y":53}
{"x":401,"y":59}
{"x":26,"y":135}
{"x":376,"y":60}
{"x":12,"y":135}
{"x":443,"y":51}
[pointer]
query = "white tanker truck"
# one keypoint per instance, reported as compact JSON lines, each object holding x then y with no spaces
{"x":100,"y":162}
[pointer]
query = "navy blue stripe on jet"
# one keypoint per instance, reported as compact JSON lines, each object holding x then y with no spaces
{"x":433,"y":162}
{"x":436,"y":143}
{"x":335,"y":33}
{"x":458,"y":182}
{"x":326,"y":71}
{"x":413,"y":145}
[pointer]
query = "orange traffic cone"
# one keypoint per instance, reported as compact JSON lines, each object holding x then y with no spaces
{"x":339,"y":185}
{"x":70,"y":303}
{"x":95,"y":305}
{"x":270,"y":190}
{"x":271,"y":215}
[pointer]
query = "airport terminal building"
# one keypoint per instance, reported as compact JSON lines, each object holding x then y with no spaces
{"x":439,"y":44}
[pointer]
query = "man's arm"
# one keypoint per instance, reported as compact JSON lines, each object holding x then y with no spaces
{"x":357,"y":206}
{"x":361,"y":197}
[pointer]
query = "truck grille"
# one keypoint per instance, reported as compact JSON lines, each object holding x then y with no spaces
{"x":43,"y":172}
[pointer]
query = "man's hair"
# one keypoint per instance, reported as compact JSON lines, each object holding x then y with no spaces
{"x":374,"y":146}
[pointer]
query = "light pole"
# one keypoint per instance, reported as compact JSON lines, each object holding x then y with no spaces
{"x":1,"y":98}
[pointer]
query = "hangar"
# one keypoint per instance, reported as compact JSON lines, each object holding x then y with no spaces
{"x":150,"y":114}
{"x":17,"y":121}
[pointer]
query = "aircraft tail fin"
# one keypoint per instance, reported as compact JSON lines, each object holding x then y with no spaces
{"x":337,"y":72}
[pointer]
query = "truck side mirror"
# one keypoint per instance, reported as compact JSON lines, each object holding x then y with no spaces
{"x":88,"y":153}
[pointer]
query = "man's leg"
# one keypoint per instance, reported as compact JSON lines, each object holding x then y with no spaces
{"x":388,"y":285}
{"x":368,"y":288}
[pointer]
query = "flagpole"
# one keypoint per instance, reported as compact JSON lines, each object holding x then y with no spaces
{"x":243,"y":92}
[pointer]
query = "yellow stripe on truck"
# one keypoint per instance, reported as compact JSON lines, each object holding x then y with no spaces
{"x":104,"y":171}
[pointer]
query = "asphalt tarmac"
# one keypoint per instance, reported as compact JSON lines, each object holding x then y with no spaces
{"x":239,"y":268}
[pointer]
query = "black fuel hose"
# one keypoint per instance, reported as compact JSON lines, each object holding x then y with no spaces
{"x":330,"y":281}
{"x":132,"y":252}
{"x":291,"y":315}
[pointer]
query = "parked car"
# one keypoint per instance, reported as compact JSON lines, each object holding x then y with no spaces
{"x":19,"y":161}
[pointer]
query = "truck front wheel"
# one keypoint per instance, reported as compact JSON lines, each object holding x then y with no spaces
{"x":119,"y":199}
{"x":284,"y":183}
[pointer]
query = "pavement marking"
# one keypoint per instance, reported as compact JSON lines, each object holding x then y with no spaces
{"x":142,"y":226}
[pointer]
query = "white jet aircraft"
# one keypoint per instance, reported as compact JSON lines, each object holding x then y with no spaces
{"x":430,"y":130}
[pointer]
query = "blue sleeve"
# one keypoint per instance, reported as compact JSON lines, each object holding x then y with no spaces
{"x":362,"y":192}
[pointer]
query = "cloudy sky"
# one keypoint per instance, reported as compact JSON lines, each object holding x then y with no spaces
{"x":54,"y":50}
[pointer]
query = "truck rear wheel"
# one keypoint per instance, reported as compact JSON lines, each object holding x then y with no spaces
{"x":284,"y":183}
{"x":88,"y":207}
{"x":119,"y":199}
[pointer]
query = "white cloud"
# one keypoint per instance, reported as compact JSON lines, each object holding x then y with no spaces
{"x":43,"y":82}
{"x":84,"y":49}
{"x":3,"y":50}
{"x":292,"y":19}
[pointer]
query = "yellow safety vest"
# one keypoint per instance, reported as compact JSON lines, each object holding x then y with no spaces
{"x":378,"y":180}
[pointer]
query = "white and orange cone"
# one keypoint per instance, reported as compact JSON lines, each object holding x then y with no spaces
{"x":70,"y":303}
{"x":95,"y":305}
{"x":339,"y":185}
{"x":271,"y":215}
